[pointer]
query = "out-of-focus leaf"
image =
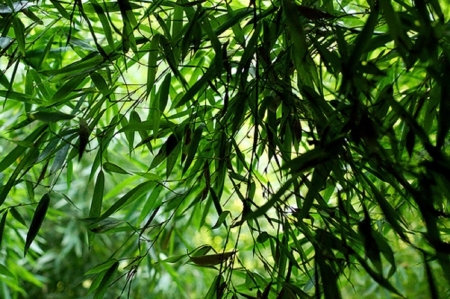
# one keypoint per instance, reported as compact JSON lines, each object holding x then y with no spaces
{"x":5,"y":271}
{"x":318,"y":180}
{"x":89,"y":63}
{"x":431,"y":280}
{"x":302,"y":60}
{"x":377,"y":277}
{"x":387,"y":251}
{"x":15,"y":6}
{"x":262,"y":237}
{"x":36,"y":222}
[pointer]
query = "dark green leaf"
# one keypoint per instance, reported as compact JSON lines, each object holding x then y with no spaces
{"x":2,"y":226}
{"x":104,"y":284}
{"x":222,"y":217}
{"x":97,"y":197}
{"x":130,"y":196}
{"x":36,"y":222}
{"x":111,"y":167}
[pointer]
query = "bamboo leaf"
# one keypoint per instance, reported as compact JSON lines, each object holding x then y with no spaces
{"x":17,"y":216}
{"x":130,"y":196}
{"x":36,"y":222}
{"x":100,"y":9}
{"x":2,"y":226}
{"x":47,"y":116}
{"x":223,"y":216}
{"x":111,"y":167}
{"x":19,"y":32}
{"x":104,"y":284}
{"x":193,"y":146}
{"x":152,"y":63}
{"x":97,"y":197}
{"x":101,"y":267}
{"x":211,"y":259}
{"x":198,"y":86}
{"x":69,"y":87}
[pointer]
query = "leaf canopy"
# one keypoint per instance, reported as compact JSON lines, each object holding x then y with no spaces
{"x":270,"y":149}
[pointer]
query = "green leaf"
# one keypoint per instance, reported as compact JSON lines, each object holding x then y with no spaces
{"x":69,"y":87}
{"x":391,"y":215}
{"x":104,"y":284}
{"x":17,"y":216}
{"x":211,"y":259}
{"x":2,"y":226}
{"x":97,"y":197}
{"x":318,"y":180}
{"x":100,"y":83}
{"x":198,"y":86}
{"x":172,"y":158}
{"x":29,"y":158}
{"x":100,"y":9}
{"x":130,"y":196}
{"x":223,"y":216}
{"x":101,"y":267}
{"x":19,"y":32}
{"x":36,"y":222}
{"x":174,"y":259}
{"x":49,"y":116}
{"x":111,"y":167}
{"x":104,"y":225}
{"x":4,"y":271}
{"x":165,"y":150}
{"x":152,"y":63}
{"x":21,"y":97}
{"x":272,"y":201}
{"x":193,"y":146}
{"x":60,"y":158}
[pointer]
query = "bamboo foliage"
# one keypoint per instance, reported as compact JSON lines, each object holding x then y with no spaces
{"x":308,"y":139}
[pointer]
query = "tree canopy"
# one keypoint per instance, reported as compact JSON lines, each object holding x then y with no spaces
{"x":225,"y":149}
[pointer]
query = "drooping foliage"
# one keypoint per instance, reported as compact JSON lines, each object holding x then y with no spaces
{"x":261,"y":149}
